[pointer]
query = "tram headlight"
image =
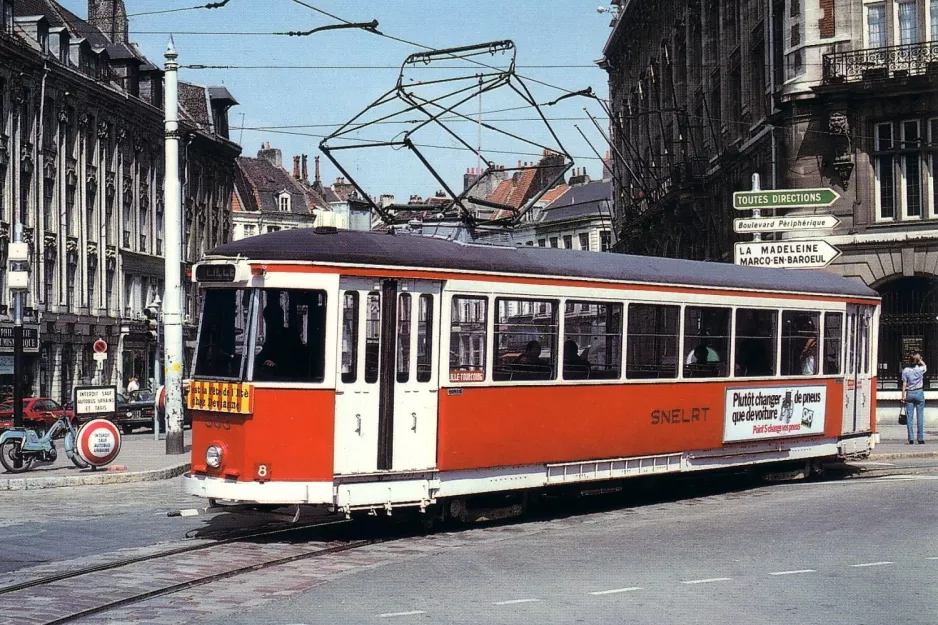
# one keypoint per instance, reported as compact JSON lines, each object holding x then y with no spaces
{"x":213,"y":456}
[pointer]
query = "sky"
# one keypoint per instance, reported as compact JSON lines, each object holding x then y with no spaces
{"x":307,"y":86}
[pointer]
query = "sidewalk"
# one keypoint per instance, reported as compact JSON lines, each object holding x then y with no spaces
{"x":141,"y":459}
{"x":894,"y":442}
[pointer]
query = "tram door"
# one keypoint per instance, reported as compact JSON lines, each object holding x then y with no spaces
{"x":386,"y":386}
{"x":858,"y":387}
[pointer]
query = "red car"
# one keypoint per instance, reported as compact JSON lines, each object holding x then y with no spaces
{"x":38,"y":412}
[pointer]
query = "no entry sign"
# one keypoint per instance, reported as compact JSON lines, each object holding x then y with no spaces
{"x":99,"y":442}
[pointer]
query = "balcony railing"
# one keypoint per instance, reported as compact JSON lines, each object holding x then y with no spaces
{"x":880,"y":63}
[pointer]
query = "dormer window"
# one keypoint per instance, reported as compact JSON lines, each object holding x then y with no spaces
{"x":283,"y":201}
{"x":43,"y":39}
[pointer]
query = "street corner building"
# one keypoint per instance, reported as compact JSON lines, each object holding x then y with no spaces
{"x":81,"y":167}
{"x":829,"y":94}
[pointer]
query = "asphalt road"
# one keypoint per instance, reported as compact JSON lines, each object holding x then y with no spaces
{"x":841,"y":552}
{"x":852,"y":551}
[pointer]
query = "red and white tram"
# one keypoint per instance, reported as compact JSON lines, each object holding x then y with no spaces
{"x":367,"y":371}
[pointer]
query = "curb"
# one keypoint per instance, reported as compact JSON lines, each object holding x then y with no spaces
{"x":898,"y":455}
{"x":93,"y":479}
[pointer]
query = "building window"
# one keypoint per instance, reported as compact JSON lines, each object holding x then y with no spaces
{"x":542,"y":242}
{"x":605,"y":241}
{"x":568,"y":242}
{"x":585,"y":242}
{"x":876,"y":25}
{"x":108,"y":288}
{"x":8,"y":16}
{"x":92,"y":280}
{"x":70,"y":279}
{"x":908,"y":22}
{"x":933,"y":21}
{"x":250,"y":230}
{"x":284,"y":202}
{"x":273,"y":228}
{"x":554,"y":242}
{"x":904,"y":169}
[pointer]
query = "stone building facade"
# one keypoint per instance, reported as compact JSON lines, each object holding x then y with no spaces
{"x":838,"y":94}
{"x":81,"y":166}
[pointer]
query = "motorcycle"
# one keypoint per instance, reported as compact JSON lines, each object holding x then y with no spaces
{"x":21,"y":448}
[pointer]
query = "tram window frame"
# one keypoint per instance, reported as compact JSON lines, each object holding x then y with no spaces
{"x":350,"y":336}
{"x":642,"y":363}
{"x":424,"y":354}
{"x":304,"y":315}
{"x":404,"y":318}
{"x":372,"y":337}
{"x":476,"y":309}
{"x":519,"y":369}
{"x":799,"y":329}
{"x":833,"y":363}
{"x":772,"y":340}
{"x":231,"y":330}
{"x":709,"y":333}
{"x":603,"y":345}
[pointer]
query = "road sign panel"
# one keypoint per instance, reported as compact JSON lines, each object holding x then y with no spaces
{"x":99,"y":442}
{"x":784,"y":198}
{"x":748,"y":225}
{"x":809,"y":254}
{"x":100,"y":346}
{"x":95,"y":400}
{"x":30,"y":338}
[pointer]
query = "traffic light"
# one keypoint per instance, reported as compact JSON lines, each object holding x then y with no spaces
{"x":152,"y":315}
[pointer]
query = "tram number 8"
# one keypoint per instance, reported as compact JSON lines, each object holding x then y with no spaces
{"x":262,"y":472}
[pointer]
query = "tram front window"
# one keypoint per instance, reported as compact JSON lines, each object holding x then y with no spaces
{"x":222,"y":336}
{"x":291,"y":337}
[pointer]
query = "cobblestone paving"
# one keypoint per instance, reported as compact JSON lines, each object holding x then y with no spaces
{"x":257,"y":588}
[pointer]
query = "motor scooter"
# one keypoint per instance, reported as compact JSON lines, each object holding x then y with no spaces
{"x":21,"y":448}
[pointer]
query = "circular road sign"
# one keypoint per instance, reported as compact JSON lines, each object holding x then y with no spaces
{"x":99,"y":442}
{"x":100,"y":347}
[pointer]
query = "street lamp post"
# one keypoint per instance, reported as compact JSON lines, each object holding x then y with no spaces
{"x":172,"y":304}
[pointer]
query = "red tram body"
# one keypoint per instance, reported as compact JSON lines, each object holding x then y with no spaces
{"x":364,"y":371}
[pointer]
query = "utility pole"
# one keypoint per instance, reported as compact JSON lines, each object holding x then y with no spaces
{"x":172,"y":303}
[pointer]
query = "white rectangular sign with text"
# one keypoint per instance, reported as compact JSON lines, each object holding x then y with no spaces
{"x":773,"y":412}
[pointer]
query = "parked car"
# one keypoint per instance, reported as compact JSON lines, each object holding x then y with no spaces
{"x":38,"y":413}
{"x":135,"y":411}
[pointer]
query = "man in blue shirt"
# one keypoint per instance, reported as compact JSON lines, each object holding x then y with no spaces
{"x":913,"y":394}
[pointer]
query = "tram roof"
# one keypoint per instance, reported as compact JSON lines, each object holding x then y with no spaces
{"x":404,"y":250}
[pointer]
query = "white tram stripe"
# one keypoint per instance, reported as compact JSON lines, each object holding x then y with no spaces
{"x":794,"y":572}
{"x":932,"y":558}
{"x":616,"y":590}
{"x":515,"y":601}
{"x":391,"y":614}
{"x":707,"y":581}
{"x":883,"y":563}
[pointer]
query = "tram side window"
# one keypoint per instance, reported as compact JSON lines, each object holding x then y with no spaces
{"x":800,"y":338}
{"x":291,"y":340}
{"x":592,"y":346}
{"x":222,"y":335}
{"x":706,"y":342}
{"x":372,"y":336}
{"x":756,"y":338}
{"x":833,"y":342}
{"x":468,"y":338}
{"x":425,"y":338}
{"x":652,"y":341}
{"x":525,"y":340}
{"x":350,"y":337}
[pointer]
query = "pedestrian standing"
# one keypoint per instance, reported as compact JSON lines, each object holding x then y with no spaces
{"x":132,"y":387}
{"x":913,"y":395}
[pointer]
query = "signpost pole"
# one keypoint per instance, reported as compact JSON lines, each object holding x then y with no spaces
{"x":18,"y":344}
{"x":756,"y":236}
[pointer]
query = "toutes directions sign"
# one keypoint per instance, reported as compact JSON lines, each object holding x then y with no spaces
{"x":784,"y":198}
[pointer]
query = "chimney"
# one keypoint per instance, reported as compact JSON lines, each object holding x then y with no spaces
{"x":296,"y":167}
{"x":110,"y":17}
{"x":305,"y":169}
{"x":271,"y":155}
{"x":316,"y":160}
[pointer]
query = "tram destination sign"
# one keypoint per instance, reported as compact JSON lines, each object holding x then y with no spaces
{"x":784,"y":198}
{"x":809,"y":254}
{"x":748,"y":225}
